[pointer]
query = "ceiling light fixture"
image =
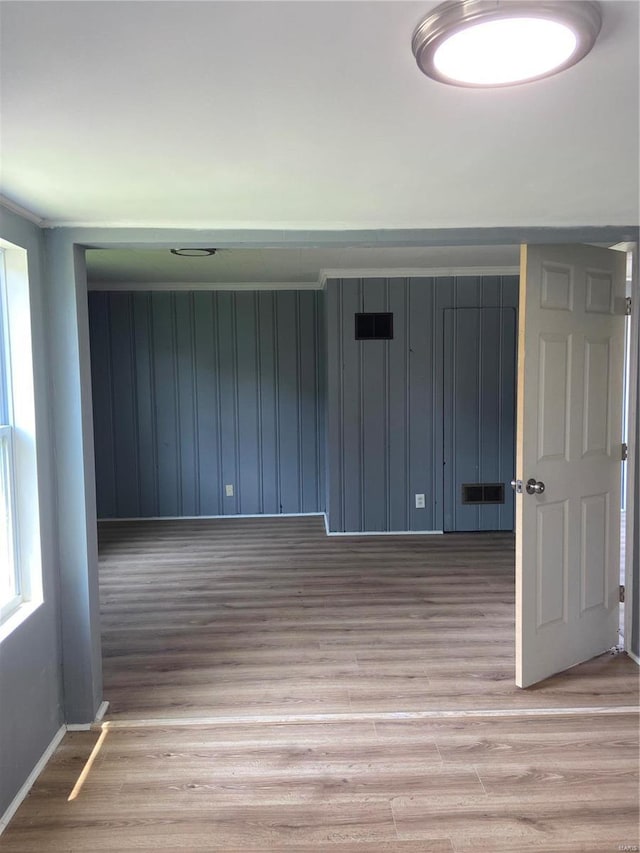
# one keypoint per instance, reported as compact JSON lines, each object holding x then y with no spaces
{"x":193,"y":253}
{"x":482,"y":43}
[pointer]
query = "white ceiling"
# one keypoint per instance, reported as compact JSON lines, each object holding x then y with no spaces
{"x":124,"y":269}
{"x":301,"y":115}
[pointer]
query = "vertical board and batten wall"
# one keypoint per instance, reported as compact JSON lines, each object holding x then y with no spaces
{"x":479,"y":414}
{"x":194,"y":391}
{"x":385,"y":398}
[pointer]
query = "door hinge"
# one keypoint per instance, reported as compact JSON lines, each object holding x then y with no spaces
{"x":621,"y":597}
{"x":624,"y":453}
{"x":627,"y":306}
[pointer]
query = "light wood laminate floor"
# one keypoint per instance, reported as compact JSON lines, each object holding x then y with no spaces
{"x":275,"y":689}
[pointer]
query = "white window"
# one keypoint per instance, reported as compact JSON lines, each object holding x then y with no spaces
{"x":10,"y":586}
{"x":20,"y":552}
{"x":9,"y":573}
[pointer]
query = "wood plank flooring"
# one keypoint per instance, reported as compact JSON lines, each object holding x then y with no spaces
{"x":271,"y":616}
{"x":275,"y":689}
{"x":567,"y":783}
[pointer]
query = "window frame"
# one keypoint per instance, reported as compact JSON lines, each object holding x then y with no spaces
{"x":7,"y":459}
{"x":7,"y":476}
{"x":18,"y":460}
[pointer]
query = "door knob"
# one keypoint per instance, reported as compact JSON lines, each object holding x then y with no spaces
{"x":534,"y":487}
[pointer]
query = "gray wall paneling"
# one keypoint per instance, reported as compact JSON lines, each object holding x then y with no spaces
{"x":351,"y":407}
{"x":398,"y":423}
{"x":479,"y":413}
{"x":186,"y":411}
{"x":102,"y":404}
{"x":123,"y":402}
{"x":166,"y":415}
{"x":321,"y":408}
{"x":374,"y":392}
{"x":193,"y":391}
{"x":334,"y":446}
{"x":424,"y":345}
{"x":385,"y":398}
{"x":147,"y":465}
{"x":246,"y":404}
{"x":207,"y":397}
{"x":463,"y":292}
{"x":225,"y":323}
{"x":288,"y":410}
{"x":269,"y":443}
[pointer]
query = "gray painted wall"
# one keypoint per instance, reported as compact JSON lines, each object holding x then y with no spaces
{"x":193,"y":391}
{"x":69,"y":365}
{"x":385,"y":398}
{"x":31,"y":693}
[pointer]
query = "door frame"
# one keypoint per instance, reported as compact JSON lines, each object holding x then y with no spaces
{"x":632,"y":535}
{"x":72,"y":419}
{"x":576,"y":616}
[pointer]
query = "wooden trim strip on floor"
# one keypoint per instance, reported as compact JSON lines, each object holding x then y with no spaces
{"x":169,"y":722}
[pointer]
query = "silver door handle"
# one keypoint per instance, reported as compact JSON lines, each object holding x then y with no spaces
{"x":534,"y":487}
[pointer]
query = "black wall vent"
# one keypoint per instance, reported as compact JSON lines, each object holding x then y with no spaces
{"x":483,"y":493}
{"x":374,"y":327}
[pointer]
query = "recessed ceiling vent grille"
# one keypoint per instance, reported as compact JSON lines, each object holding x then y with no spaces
{"x":374,"y":327}
{"x":483,"y":493}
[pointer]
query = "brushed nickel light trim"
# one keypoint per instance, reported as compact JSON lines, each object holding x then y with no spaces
{"x":582,"y":17}
{"x":193,"y":253}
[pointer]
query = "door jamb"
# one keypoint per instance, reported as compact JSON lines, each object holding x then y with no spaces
{"x":631,"y":534}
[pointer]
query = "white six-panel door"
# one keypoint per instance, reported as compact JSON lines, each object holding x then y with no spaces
{"x":570,"y":368}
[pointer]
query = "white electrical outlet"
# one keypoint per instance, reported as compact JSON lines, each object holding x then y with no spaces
{"x":419,"y":501}
{"x":229,"y":490}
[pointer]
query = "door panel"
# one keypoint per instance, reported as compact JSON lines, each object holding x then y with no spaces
{"x":595,"y":422}
{"x":569,"y":435}
{"x":551,"y":563}
{"x":479,"y":417}
{"x":555,"y":352}
{"x":593,"y":555}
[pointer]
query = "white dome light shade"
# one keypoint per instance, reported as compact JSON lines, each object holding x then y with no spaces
{"x":497,"y":53}
{"x":489,"y":43}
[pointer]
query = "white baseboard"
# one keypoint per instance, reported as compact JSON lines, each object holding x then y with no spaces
{"x":85,"y":727}
{"x":279,"y":515}
{"x":31,"y":778}
{"x":378,"y":532}
{"x":385,"y":533}
{"x":102,"y":710}
{"x":214,"y":517}
{"x":633,"y":657}
{"x":46,"y":755}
